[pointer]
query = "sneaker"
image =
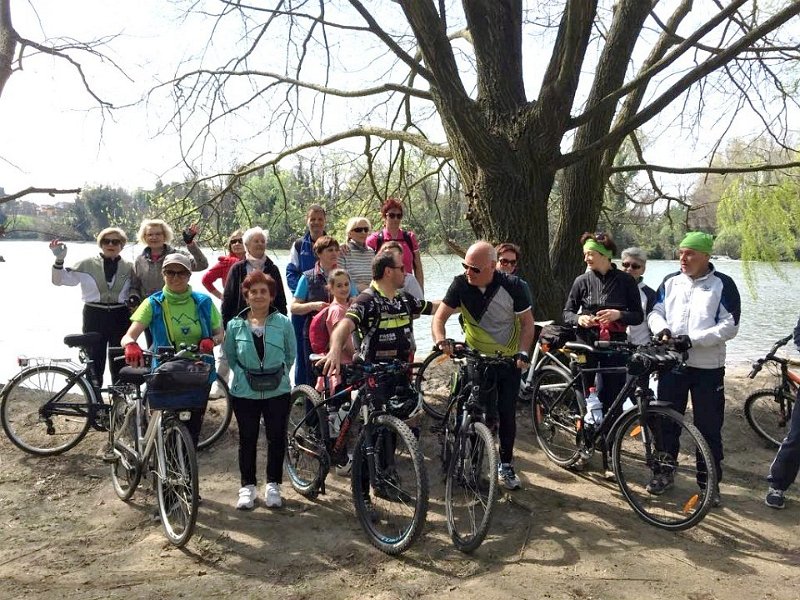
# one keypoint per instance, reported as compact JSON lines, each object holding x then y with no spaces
{"x":508,"y":479}
{"x":247,"y":498}
{"x":774,"y":499}
{"x":272,"y":495}
{"x":610,"y":475}
{"x":660,"y":483}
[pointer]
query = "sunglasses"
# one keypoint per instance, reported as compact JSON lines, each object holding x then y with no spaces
{"x":235,"y":241}
{"x":171,"y":273}
{"x":508,"y":261}
{"x":630,"y":265}
{"x":111,"y":241}
{"x":360,"y":230}
{"x":475,"y":270}
{"x":395,"y":215}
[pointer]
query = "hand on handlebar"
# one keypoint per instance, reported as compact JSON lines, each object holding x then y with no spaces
{"x":447,"y":346}
{"x":134,"y":357}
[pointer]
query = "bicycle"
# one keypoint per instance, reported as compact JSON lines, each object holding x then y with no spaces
{"x":638,"y":437}
{"x":48,"y":407}
{"x":468,"y":452}
{"x":157,"y":441}
{"x":769,"y":410}
{"x":544,"y":359}
{"x":388,"y":478}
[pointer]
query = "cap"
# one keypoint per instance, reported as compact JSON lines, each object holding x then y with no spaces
{"x":176,"y":258}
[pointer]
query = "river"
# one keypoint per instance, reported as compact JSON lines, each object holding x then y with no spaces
{"x":36,"y":315}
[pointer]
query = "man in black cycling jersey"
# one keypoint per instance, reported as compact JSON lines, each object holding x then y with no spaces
{"x":497,"y":317}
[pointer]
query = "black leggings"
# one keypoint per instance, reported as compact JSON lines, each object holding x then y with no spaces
{"x":249,"y":412}
{"x":112,"y":325}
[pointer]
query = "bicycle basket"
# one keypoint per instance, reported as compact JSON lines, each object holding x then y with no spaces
{"x":178,"y":384}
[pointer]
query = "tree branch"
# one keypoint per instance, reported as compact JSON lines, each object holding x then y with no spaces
{"x":715,"y":170}
{"x":35,"y":190}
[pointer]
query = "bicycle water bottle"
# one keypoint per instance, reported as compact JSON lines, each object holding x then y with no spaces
{"x":594,"y":408}
{"x":334,"y":421}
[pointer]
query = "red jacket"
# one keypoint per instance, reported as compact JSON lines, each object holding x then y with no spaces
{"x":219,"y":271}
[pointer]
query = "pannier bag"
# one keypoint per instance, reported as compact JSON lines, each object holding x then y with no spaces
{"x":556,"y":335}
{"x":265,"y":380}
{"x":178,"y":385}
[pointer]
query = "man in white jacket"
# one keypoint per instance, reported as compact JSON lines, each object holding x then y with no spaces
{"x":704,"y":304}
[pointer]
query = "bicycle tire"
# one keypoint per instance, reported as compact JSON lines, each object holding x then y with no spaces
{"x":395,"y":515}
{"x":178,"y":491}
{"x":433,"y":380}
{"x":24,"y":398}
{"x":471,"y":487}
{"x":687,"y":501}
{"x":556,"y":410}
{"x":307,"y":461}
{"x":126,"y":472}
{"x":216,"y":418}
{"x":768,"y":413}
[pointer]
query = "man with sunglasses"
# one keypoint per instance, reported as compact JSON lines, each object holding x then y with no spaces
{"x":497,"y":317}
{"x":699,"y":302}
{"x":634,"y":263}
{"x":105,"y":279}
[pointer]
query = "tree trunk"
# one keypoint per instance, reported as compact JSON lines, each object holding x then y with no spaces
{"x":8,"y":43}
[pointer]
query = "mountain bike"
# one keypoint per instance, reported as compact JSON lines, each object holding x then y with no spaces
{"x":544,"y":359}
{"x":148,"y":436}
{"x":769,"y":410}
{"x":49,"y":406}
{"x":388,"y":477}
{"x":641,"y":439}
{"x":468,"y":452}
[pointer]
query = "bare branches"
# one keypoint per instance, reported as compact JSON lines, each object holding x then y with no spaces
{"x":716,"y":170}
{"x":35,"y":190}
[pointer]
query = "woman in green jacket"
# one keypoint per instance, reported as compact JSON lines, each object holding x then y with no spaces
{"x":260,"y":346}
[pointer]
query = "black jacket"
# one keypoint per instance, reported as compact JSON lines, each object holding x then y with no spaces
{"x":592,"y":291}
{"x":232,"y":300}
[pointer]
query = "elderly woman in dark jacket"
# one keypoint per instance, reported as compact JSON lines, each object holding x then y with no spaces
{"x":603,"y":302}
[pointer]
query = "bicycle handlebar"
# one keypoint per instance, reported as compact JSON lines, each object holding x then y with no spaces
{"x":461,"y":350}
{"x":759,"y":364}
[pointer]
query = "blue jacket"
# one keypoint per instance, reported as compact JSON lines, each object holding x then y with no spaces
{"x":158,"y":327}
{"x":301,"y":258}
{"x":240,"y":350}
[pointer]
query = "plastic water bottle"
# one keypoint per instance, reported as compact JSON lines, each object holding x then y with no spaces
{"x":334,"y":422}
{"x":594,"y":409}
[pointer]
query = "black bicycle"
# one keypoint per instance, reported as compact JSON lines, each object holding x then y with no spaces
{"x":468,"y":452}
{"x":769,"y":410}
{"x":641,"y":439}
{"x":49,"y":406}
{"x":388,"y":477}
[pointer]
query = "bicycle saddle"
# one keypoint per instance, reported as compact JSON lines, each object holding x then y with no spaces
{"x":134,"y":375}
{"x":79,"y":340}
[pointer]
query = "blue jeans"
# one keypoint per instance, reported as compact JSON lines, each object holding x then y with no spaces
{"x":708,"y":405}
{"x":784,"y":468}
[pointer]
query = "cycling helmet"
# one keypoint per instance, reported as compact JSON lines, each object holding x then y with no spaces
{"x":404,"y":403}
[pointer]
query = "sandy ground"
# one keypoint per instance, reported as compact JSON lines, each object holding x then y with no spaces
{"x":65,"y":534}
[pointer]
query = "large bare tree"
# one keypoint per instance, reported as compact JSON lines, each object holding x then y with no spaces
{"x":454,"y":79}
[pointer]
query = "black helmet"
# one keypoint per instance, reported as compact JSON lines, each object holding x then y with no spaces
{"x":404,"y":403}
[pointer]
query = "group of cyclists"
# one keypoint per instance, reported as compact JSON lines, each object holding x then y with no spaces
{"x":367,"y":293}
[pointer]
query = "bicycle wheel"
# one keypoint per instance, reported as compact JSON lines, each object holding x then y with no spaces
{"x":393,"y":507}
{"x":125,"y":470}
{"x":307,"y":460}
{"x":768,"y":414}
{"x":471,"y":487}
{"x":216,"y":418}
{"x":668,"y":447}
{"x":45,"y":409}
{"x":556,"y":412}
{"x":433,"y":380}
{"x":178,"y":490}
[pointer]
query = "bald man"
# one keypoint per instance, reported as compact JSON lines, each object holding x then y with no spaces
{"x":497,"y":317}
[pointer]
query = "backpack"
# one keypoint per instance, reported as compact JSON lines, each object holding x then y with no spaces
{"x":318,"y":336}
{"x":406,"y":238}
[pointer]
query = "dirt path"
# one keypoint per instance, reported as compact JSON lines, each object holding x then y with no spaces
{"x":64,"y":534}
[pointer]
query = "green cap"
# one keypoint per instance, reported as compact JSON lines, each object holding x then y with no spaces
{"x":697,"y":240}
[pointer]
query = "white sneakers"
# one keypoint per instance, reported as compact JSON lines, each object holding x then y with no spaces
{"x":247,"y":498}
{"x":272,"y":495}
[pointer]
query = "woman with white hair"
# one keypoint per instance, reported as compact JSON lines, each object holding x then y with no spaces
{"x":255,"y":259}
{"x":634,"y":263}
{"x":356,"y":257}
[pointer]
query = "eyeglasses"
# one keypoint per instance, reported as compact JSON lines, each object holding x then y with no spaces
{"x":630,"y":265}
{"x":236,"y":241}
{"x":394,"y":215}
{"x":475,"y":270}
{"x":170,"y":273}
{"x":360,"y":230}
{"x":111,"y":241}
{"x":508,"y":261}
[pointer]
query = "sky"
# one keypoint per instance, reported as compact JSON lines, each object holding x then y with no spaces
{"x":53,"y":135}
